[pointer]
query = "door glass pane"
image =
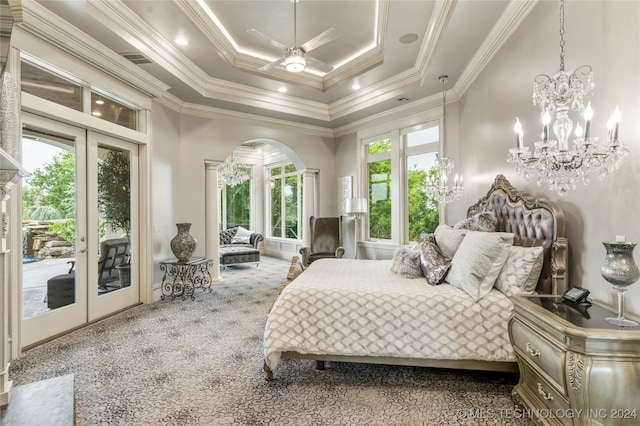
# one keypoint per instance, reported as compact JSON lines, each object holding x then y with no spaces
{"x":379,"y":175}
{"x":423,"y":213}
{"x":48,"y":225}
{"x":114,"y":213}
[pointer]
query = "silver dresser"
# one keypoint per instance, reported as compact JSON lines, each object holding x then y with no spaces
{"x":575,"y":368}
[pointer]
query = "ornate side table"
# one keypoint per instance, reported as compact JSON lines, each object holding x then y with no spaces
{"x":575,"y":367}
{"x":182,"y":278}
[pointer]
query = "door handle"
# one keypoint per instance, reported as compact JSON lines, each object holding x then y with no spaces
{"x":82,"y":251}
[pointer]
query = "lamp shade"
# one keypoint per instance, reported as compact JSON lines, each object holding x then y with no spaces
{"x":357,"y":205}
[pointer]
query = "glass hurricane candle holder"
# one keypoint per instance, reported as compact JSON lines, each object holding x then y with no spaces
{"x":620,"y":269}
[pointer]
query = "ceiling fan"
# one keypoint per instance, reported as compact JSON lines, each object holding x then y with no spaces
{"x":295,"y":58}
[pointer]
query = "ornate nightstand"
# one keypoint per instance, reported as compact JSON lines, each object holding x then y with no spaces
{"x":575,"y":367}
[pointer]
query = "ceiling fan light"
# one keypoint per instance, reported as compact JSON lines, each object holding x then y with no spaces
{"x":295,"y":64}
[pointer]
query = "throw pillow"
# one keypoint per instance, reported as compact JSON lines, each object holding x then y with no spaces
{"x":243,"y":236}
{"x":449,"y":239}
{"x":478,"y":262}
{"x":406,"y":262}
{"x":521,"y":271}
{"x":485,"y":221}
{"x":433,"y":263}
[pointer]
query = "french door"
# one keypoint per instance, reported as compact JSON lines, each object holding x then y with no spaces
{"x":78,"y":262}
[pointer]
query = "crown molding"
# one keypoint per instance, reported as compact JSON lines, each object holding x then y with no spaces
{"x":238,"y":59}
{"x":231,"y":92}
{"x":374,"y":94}
{"x":137,"y":32}
{"x":130,"y":27}
{"x":508,"y":22}
{"x":435,"y":28}
{"x":424,"y":105}
{"x":37,"y":20}
{"x":255,"y":120}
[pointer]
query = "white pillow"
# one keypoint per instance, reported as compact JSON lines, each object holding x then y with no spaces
{"x":521,"y":271}
{"x":478,"y":262}
{"x":449,"y":239}
{"x":242,"y":236}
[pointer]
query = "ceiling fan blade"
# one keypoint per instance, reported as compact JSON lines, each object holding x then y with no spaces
{"x":319,"y":65}
{"x":271,"y":65}
{"x":323,"y":38}
{"x":266,"y":39}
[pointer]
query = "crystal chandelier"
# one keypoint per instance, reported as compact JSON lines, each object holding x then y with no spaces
{"x":557,"y":162}
{"x":231,"y":172}
{"x":437,"y":180}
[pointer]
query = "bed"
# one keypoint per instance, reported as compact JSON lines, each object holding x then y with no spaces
{"x":360,"y":311}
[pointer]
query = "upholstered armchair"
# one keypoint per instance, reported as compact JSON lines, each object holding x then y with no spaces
{"x":326,"y":239}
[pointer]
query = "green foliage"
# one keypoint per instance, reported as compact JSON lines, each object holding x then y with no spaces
{"x":51,"y":187}
{"x":423,"y":211}
{"x":383,"y":145}
{"x":238,"y":204}
{"x":66,"y":230}
{"x":380,"y":199}
{"x":41,"y":213}
{"x":114,"y":191}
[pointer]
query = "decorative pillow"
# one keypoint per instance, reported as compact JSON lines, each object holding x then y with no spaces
{"x":433,"y":263}
{"x":449,"y":239}
{"x":226,"y":235}
{"x":485,"y":221}
{"x":521,"y":271}
{"x":242,"y":236}
{"x":478,"y":262}
{"x":406,"y":263}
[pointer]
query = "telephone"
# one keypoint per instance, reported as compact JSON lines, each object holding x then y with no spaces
{"x":576,"y":295}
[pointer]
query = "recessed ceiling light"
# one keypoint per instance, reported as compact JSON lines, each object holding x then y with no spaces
{"x":282,"y":89}
{"x":181,"y":41}
{"x":355,"y":86}
{"x":99,"y":102}
{"x":96,"y":113}
{"x":408,"y":38}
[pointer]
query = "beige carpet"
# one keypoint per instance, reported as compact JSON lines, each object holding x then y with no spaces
{"x":200,"y":363}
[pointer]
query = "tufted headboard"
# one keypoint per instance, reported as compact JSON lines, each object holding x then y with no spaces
{"x":535,"y":222}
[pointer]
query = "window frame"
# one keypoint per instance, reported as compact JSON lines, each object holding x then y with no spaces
{"x":282,"y":176}
{"x":399,"y":175}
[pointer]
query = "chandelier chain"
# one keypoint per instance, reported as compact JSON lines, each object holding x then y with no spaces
{"x":561,"y":35}
{"x":438,"y":189}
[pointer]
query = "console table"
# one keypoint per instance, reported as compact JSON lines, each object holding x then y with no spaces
{"x":575,"y":368}
{"x":182,"y":278}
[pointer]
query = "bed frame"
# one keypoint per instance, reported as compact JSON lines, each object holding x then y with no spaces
{"x":535,"y":222}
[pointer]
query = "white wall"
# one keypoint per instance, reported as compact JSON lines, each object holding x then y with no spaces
{"x":604,"y":35}
{"x":165,"y":150}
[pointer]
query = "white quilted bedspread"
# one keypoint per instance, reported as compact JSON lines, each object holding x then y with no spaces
{"x":361,"y":308}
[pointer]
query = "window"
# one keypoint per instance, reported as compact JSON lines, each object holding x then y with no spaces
{"x":235,"y":205}
{"x":379,"y":178}
{"x":113,"y":111}
{"x":421,"y":152}
{"x":285,"y":199}
{"x":46,"y":82}
{"x":417,"y":147}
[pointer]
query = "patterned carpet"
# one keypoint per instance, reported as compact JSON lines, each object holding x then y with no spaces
{"x":200,"y":363}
